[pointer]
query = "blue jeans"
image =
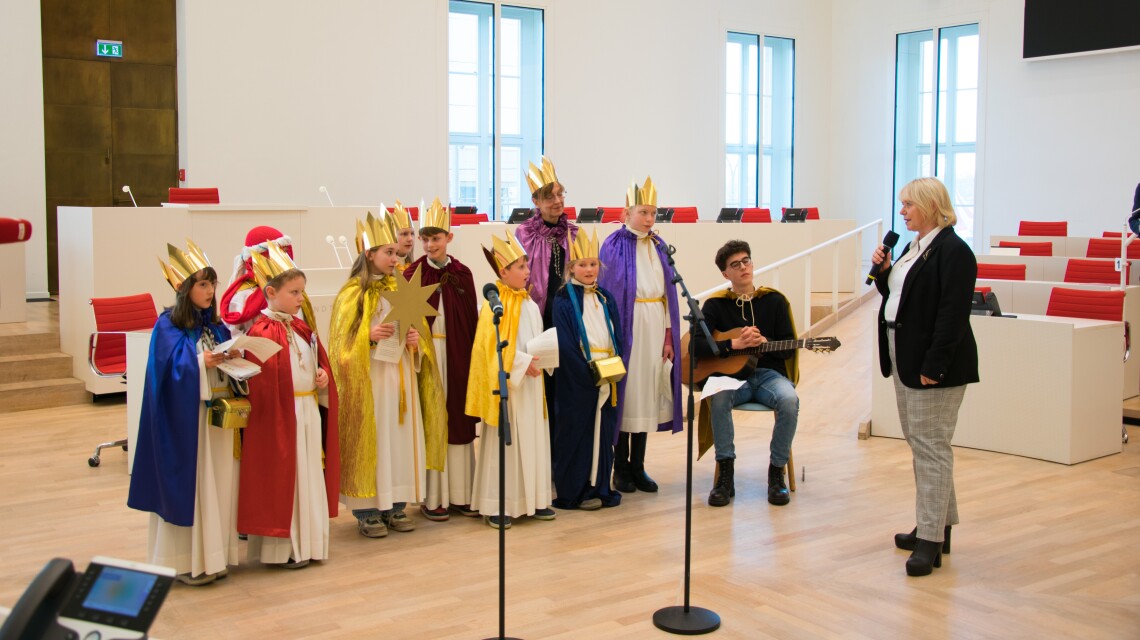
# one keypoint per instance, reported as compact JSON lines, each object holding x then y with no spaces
{"x":769,"y":388}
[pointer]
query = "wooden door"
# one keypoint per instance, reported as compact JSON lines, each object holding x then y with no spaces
{"x":108,"y":122}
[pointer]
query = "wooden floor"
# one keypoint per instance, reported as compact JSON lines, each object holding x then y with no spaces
{"x":1043,"y":551}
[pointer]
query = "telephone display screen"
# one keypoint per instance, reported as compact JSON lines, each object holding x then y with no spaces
{"x":120,"y":591}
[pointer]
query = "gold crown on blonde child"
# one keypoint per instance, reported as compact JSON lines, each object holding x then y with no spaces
{"x":436,"y":216}
{"x":646,"y":194}
{"x":401,"y":217}
{"x":503,"y":252}
{"x":584,"y":246}
{"x":268,"y":268}
{"x":183,"y":264}
{"x":375,"y":231}
{"x":539,"y":177}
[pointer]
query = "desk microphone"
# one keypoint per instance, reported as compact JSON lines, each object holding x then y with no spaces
{"x":13,"y":230}
{"x":889,"y":241}
{"x":325,"y":191}
{"x":127,"y":190}
{"x":491,"y":293}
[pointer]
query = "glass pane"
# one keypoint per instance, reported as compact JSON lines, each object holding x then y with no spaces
{"x":750,"y":71}
{"x":751,"y":119}
{"x":511,"y":45}
{"x":463,"y":113}
{"x":732,"y":72}
{"x":463,"y":42}
{"x":914,"y":110}
{"x":732,"y":180}
{"x":766,"y":182}
{"x":966,"y":116}
{"x":767,"y":120}
{"x":511,"y":185}
{"x":968,"y":62}
{"x":732,"y":119}
{"x":749,"y":199}
{"x":522,"y":119}
{"x":512,"y":107}
{"x":777,"y":121}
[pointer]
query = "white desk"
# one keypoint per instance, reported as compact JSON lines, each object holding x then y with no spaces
{"x":110,"y":251}
{"x":13,"y":292}
{"x":1050,"y":268}
{"x":1049,"y":390}
{"x":1067,"y":246}
{"x":1031,"y":297}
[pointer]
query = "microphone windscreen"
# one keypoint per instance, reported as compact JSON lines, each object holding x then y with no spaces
{"x":14,"y":230}
{"x":891,"y":239}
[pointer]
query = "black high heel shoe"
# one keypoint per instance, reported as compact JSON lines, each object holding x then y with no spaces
{"x":925,"y":558}
{"x":906,"y":541}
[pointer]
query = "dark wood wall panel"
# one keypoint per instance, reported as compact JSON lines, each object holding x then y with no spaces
{"x":144,"y":86}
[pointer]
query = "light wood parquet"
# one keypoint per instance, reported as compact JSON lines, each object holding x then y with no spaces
{"x":1043,"y":551}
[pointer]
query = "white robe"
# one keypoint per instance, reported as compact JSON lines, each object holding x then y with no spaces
{"x":528,"y":481}
{"x":644,"y":407}
{"x":211,"y":543}
{"x":401,"y":466}
{"x":309,"y":530}
{"x":453,"y":484}
{"x":601,"y":346}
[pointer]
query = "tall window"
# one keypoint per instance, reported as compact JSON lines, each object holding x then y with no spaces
{"x":938,"y":137}
{"x":477,"y":103}
{"x":759,"y":108}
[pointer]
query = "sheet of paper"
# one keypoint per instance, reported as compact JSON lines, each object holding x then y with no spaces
{"x":239,"y":368}
{"x":263,"y":348}
{"x":389,"y":349}
{"x":716,"y":384}
{"x":544,"y":346}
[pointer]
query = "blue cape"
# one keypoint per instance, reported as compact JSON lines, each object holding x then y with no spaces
{"x":164,"y":478}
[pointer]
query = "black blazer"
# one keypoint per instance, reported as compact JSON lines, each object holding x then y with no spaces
{"x":933,"y":336}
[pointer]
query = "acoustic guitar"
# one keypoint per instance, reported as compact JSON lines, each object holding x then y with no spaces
{"x":742,"y":362}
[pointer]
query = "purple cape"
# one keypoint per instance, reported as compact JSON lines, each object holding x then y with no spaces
{"x":619,"y":276}
{"x":535,"y":237}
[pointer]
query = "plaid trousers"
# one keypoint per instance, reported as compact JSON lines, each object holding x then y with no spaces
{"x":928,"y":418}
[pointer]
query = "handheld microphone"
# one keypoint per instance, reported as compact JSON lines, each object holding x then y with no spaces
{"x":889,"y":242}
{"x":491,"y":293}
{"x":325,"y":191}
{"x":13,"y":230}
{"x":127,"y":190}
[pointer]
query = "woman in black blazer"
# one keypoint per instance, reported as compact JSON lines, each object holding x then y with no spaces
{"x":926,"y":345}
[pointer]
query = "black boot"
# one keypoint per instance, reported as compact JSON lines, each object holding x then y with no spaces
{"x":926,"y":556}
{"x":623,"y":478}
{"x":724,"y":487}
{"x":777,"y":490}
{"x":906,"y":540}
{"x":637,"y":463}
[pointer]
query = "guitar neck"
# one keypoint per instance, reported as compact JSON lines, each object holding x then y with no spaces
{"x":771,"y":345}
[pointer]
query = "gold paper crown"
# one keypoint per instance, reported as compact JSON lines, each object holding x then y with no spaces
{"x":183,"y":264}
{"x":401,"y":217}
{"x":503,"y":252}
{"x":435,"y":217}
{"x":266,"y":269}
{"x":375,"y":231}
{"x":538,"y":178}
{"x":636,"y":195}
{"x":584,"y":247}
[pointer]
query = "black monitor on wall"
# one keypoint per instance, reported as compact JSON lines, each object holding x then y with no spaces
{"x":466,"y":210}
{"x":1065,"y":27}
{"x":794,"y":215}
{"x":519,"y":214}
{"x":665,"y":214}
{"x":590,"y":214}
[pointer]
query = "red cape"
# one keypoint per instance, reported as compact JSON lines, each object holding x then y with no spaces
{"x":460,"y":317}
{"x":269,"y":444}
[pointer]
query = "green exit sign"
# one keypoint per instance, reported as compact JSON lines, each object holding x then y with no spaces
{"x":109,"y":48}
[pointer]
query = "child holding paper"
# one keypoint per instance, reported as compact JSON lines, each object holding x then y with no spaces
{"x":582,"y":440}
{"x":387,"y":443}
{"x":528,"y":483}
{"x":290,"y":471}
{"x":185,"y":473}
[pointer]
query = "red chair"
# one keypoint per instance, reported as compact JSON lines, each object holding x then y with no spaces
{"x":1094,"y":305}
{"x":755,"y":214}
{"x":458,"y":219}
{"x":983,"y":290}
{"x":684,"y":215}
{"x":1093,"y":271}
{"x":1110,"y":248}
{"x":571,"y":213}
{"x":611,"y":214}
{"x":1112,"y":234}
{"x":107,"y":347}
{"x":812,"y":212}
{"x":989,"y":271}
{"x":1027,"y":228}
{"x":180,"y":195}
{"x":1029,"y":248}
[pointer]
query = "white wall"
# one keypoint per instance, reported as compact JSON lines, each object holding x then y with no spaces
{"x":1058,"y":139}
{"x":23,"y":192}
{"x":353,"y":95}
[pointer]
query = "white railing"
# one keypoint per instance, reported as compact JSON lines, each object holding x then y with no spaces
{"x":806,"y":254}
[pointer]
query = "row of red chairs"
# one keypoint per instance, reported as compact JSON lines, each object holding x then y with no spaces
{"x":1098,"y":248}
{"x":1076,"y":270}
{"x":1056,"y":229}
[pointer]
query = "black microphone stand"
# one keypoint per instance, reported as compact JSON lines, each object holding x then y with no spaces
{"x":504,"y":440}
{"x":686,"y":620}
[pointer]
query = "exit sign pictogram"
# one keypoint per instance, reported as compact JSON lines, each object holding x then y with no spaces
{"x":109,"y":48}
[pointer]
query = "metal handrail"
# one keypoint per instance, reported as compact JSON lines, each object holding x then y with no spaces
{"x":806,"y":253}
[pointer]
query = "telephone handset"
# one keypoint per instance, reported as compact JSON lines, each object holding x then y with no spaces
{"x":112,"y":599}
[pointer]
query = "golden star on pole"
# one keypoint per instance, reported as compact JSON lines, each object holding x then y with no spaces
{"x":410,"y":304}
